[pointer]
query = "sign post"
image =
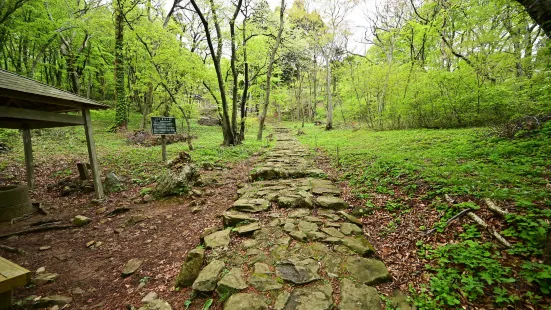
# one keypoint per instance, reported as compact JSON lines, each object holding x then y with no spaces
{"x":163,"y":126}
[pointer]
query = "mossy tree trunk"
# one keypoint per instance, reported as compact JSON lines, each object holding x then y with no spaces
{"x":121,"y":115}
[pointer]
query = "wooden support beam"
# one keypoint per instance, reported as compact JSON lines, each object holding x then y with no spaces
{"x":34,"y":115}
{"x":28,"y":147}
{"x":96,"y":176}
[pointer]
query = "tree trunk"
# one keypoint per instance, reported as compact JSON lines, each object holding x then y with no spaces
{"x":329,"y":124}
{"x":540,"y":11}
{"x":262,"y":117}
{"x":121,"y":115}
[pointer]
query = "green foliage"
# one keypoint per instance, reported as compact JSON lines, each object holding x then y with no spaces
{"x":207,"y":304}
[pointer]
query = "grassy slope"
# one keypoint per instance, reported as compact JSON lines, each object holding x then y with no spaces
{"x":141,"y":164}
{"x":469,"y":166}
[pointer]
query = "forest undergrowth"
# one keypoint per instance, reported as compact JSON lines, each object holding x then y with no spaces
{"x":402,"y":182}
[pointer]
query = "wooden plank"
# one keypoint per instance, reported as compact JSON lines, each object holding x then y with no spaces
{"x":18,"y":124}
{"x":12,"y":275}
{"x":34,"y":115}
{"x":28,"y":146}
{"x":96,"y":176}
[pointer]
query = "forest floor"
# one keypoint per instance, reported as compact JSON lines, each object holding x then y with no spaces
{"x":395,"y":182}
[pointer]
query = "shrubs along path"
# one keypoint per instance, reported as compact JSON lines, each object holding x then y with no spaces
{"x":287,"y":243}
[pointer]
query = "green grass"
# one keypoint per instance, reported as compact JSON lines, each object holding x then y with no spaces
{"x":467,"y":164}
{"x":138,"y":163}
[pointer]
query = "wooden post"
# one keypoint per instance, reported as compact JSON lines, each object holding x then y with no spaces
{"x":28,"y":146}
{"x":96,"y":176}
{"x":163,"y":147}
{"x":6,"y":300}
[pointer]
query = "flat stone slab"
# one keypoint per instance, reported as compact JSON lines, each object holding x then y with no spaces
{"x":350,"y":229}
{"x":232,"y":218}
{"x":131,"y":266}
{"x":249,"y":301}
{"x":311,"y":298}
{"x":324,"y":187}
{"x":367,"y":271}
{"x":218,"y":239}
{"x":357,"y":296}
{"x":264,"y":282}
{"x":331,"y":202}
{"x":298,"y":271}
{"x":306,"y":227}
{"x":246,"y":229}
{"x":333,"y":232}
{"x":251,"y":205}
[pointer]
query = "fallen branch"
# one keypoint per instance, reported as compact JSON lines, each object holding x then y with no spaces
{"x":494,"y":208}
{"x":12,"y":250}
{"x":494,"y":233}
{"x":22,"y":218}
{"x":453,"y":218}
{"x":38,"y":229}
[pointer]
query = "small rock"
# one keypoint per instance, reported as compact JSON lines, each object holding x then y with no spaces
{"x":218,"y":239}
{"x":135,"y":219}
{"x":299,"y":235}
{"x":232,"y":282}
{"x":45,"y":277}
{"x":196,"y":210}
{"x":333,"y":232}
{"x":81,"y":220}
{"x":281,"y":300}
{"x":351,"y":218}
{"x":306,"y":227}
{"x":368,"y":271}
{"x":101,"y":210}
{"x":261,"y":268}
{"x":131,"y":266}
{"x":190,"y":268}
{"x":356,"y":296}
{"x":299,"y":213}
{"x":149,"y":297}
{"x":350,"y":229}
{"x":298,"y":271}
{"x":242,"y":230}
{"x":45,"y":247}
{"x":359,"y":244}
{"x":40,"y":270}
{"x":242,"y":301}
{"x":232,"y":218}
{"x":77,"y":291}
{"x":118,"y":230}
{"x":90,"y":244}
{"x":52,"y":301}
{"x":330,"y":202}
{"x":156,"y":304}
{"x":148,"y":198}
{"x":264,"y":282}
{"x":317,"y":297}
{"x":251,"y":205}
{"x":208,"y":277}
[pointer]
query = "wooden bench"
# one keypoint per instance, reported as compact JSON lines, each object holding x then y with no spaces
{"x":11,"y":276}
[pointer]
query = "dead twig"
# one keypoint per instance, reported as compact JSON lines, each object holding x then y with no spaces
{"x":494,"y":208}
{"x":12,"y":250}
{"x":494,"y":233}
{"x":453,"y":218}
{"x":38,"y":229}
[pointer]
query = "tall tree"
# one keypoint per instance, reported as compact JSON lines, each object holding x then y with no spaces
{"x":273,"y":52}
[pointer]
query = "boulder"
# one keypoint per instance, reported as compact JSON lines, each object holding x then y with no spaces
{"x":251,"y":205}
{"x":298,"y":271}
{"x":176,"y":182}
{"x":208,"y":121}
{"x":218,"y":239}
{"x":111,"y":183}
{"x":208,"y":277}
{"x":190,"y":268}
{"x":249,"y":301}
{"x":357,"y":296}
{"x":232,"y":282}
{"x":367,"y":271}
{"x":131,"y":266}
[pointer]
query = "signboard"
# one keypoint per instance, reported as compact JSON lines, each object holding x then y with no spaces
{"x":163,"y":125}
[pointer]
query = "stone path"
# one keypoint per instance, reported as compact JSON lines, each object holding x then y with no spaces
{"x":287,"y":243}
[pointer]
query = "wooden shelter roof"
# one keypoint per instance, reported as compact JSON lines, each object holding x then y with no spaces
{"x":26,"y":103}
